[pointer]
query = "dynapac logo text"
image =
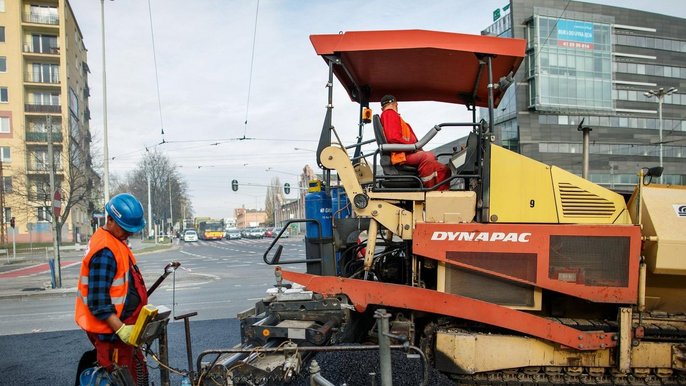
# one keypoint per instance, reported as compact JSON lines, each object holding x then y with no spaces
{"x":482,"y":236}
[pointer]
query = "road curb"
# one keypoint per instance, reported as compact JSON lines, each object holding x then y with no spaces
{"x":38,"y":292}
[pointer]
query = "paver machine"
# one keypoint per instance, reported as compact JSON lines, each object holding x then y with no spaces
{"x":521,"y":273}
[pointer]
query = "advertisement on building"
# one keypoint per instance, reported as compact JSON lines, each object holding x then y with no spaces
{"x":575,"y":34}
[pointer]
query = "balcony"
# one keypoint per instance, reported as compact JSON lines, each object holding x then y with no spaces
{"x":33,"y":108}
{"x":41,"y":168}
{"x":36,"y":18}
{"x":42,"y":137}
{"x":34,"y":77}
{"x":29,"y":48}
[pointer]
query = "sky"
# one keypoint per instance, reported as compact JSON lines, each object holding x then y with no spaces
{"x":220,"y":63}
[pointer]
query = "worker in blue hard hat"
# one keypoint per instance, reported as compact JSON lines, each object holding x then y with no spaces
{"x":111,"y":291}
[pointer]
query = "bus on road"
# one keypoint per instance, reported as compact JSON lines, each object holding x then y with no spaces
{"x":210,"y":230}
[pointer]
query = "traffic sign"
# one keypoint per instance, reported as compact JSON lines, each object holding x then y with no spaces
{"x":57,"y":203}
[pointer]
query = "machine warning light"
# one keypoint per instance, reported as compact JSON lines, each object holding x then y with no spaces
{"x":367,"y":115}
{"x":286,"y":188}
{"x":234,"y":185}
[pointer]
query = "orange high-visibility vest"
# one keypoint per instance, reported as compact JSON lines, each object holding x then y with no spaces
{"x":120,"y":285}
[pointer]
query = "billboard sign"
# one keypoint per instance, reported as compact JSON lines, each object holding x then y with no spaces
{"x":575,"y":34}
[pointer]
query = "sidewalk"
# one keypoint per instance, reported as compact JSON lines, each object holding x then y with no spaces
{"x":29,"y":274}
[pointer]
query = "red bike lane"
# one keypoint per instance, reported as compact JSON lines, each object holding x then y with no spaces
{"x":36,"y":269}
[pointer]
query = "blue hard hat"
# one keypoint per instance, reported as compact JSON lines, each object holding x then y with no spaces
{"x":126,"y":211}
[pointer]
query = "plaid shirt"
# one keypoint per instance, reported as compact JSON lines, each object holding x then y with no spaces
{"x":101,"y":271}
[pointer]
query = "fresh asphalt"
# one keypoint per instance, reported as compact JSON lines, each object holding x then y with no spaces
{"x":40,"y":345}
{"x":50,"y":358}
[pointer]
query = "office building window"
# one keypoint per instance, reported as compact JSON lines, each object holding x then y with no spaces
{"x":2,"y":5}
{"x":7,"y":184}
{"x":3,"y":64}
{"x":2,"y":34}
{"x":5,"y":154}
{"x":4,"y":96}
{"x":573,"y":65}
{"x":8,"y":215}
{"x":4,"y":124}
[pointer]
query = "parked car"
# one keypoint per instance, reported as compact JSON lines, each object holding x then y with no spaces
{"x":269,"y":232}
{"x":190,"y":235}
{"x":254,"y":233}
{"x":233,"y":234}
{"x":276,"y":231}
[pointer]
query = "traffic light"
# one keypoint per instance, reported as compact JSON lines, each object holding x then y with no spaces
{"x":287,"y":188}
{"x":12,"y":222}
{"x":234,"y":185}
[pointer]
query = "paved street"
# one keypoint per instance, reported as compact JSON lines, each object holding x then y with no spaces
{"x":217,"y":279}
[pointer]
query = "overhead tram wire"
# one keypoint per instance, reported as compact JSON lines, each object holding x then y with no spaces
{"x":204,"y":142}
{"x":252,"y":62}
{"x":157,"y":79}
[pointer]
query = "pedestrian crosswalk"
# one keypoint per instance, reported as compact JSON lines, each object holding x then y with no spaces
{"x":224,"y":243}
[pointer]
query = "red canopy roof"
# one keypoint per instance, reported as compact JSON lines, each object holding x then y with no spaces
{"x":419,"y":65}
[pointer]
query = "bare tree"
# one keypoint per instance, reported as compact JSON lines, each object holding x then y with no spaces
{"x":75,"y":178}
{"x":168,"y":190}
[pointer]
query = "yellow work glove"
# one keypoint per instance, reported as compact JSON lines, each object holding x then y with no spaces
{"x":124,"y":333}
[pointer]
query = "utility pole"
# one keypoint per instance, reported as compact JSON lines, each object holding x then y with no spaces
{"x":171,"y":211}
{"x":149,"y":207}
{"x":104,"y":106}
{"x":2,"y":204}
{"x":55,"y":244}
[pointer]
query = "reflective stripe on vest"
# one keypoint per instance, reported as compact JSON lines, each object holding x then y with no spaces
{"x":102,"y":239}
{"x":116,"y":282}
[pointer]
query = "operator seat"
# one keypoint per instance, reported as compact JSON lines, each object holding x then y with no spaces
{"x":394,"y":176}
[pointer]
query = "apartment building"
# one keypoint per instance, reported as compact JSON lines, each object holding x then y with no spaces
{"x":595,"y":63}
{"x":44,"y":95}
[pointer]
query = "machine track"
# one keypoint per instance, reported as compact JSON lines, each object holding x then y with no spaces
{"x":569,"y":376}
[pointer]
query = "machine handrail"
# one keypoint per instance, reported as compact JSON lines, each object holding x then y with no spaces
{"x":277,"y":254}
{"x":425,"y":139}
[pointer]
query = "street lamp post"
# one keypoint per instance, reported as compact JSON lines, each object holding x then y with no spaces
{"x":660,"y":94}
{"x":104,"y":107}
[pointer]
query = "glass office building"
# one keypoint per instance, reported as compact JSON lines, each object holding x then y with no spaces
{"x":594,"y":63}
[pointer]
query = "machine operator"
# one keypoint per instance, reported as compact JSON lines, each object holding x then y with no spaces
{"x":431,"y":172}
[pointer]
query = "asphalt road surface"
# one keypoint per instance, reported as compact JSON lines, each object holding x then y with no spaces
{"x":217,"y":279}
{"x":41,"y":345}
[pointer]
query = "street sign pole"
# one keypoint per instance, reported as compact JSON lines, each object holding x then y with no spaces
{"x":14,"y":243}
{"x":56,"y":210}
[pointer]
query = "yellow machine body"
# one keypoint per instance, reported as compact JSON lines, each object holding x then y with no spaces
{"x":663,"y":217}
{"x":523,"y":190}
